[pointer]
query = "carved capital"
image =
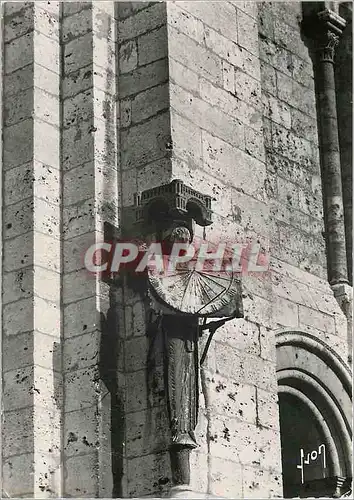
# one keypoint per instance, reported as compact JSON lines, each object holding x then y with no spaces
{"x":327,"y":48}
{"x":329,"y":29}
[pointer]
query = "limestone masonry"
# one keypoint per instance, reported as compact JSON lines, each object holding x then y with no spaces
{"x":226,"y":121}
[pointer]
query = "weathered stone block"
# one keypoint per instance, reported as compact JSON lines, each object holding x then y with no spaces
{"x":296,"y":95}
{"x":136,"y":351}
{"x":87,"y":321}
{"x":27,"y":386}
{"x":80,"y":431}
{"x":231,"y":399}
{"x":265,"y":20}
{"x":25,"y":463}
{"x":78,"y":81}
{"x":205,"y":116}
{"x":247,"y":32}
{"x":78,"y":184}
{"x":18,"y":107}
{"x":46,"y":252}
{"x":77,"y":53}
{"x":46,"y":143}
{"x":81,"y":389}
{"x":304,"y":125}
{"x":17,"y":285}
{"x":79,"y":219}
{"x":152,"y":46}
{"x":126,"y":9}
{"x":76,"y":25}
{"x":185,"y":22}
{"x":46,"y":317}
{"x":78,"y":108}
{"x":15,"y":442}
{"x":263,"y":483}
{"x":128,"y":57}
{"x":18,"y":81}
{"x":199,"y":464}
{"x":18,"y":252}
{"x":317,"y":319}
{"x":78,"y":145}
{"x":247,"y":89}
{"x":22,"y":350}
{"x":258,"y":310}
{"x":254,"y":140}
{"x":46,"y":51}
{"x":18,"y":53}
{"x":137,"y":396}
{"x":242,"y":442}
{"x":267,"y":343}
{"x":230,"y":104}
{"x":292,"y":147}
{"x":267,"y":409}
{"x":18,"y":317}
{"x":303,"y":72}
{"x":11,"y":8}
{"x":196,"y":57}
{"x":221,"y":158}
{"x":250,"y":8}
{"x":147,"y":432}
{"x":268,"y":78}
{"x":78,"y":285}
{"x":276,"y":110}
{"x":228,"y":72}
{"x":285,"y":313}
{"x":149,"y":102}
{"x":225,"y":484}
{"x":241,"y":335}
{"x":75,"y":250}
{"x":135,"y":326}
{"x":142,"y":21}
{"x":219,"y":16}
{"x":18,"y":144}
{"x":143,"y":78}
{"x":81,"y":477}
{"x":186,"y":139}
{"x":137,"y":152}
{"x":148,"y":474}
{"x":46,"y":284}
{"x":81,"y":351}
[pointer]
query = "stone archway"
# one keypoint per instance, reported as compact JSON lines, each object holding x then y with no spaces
{"x":315,"y":408}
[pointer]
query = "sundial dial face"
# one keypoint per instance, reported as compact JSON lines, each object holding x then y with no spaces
{"x":190,"y":291}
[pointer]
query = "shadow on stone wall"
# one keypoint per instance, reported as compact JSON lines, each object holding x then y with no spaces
{"x":108,"y":369}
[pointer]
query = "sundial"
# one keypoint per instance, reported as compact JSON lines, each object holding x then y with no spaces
{"x":193,"y":292}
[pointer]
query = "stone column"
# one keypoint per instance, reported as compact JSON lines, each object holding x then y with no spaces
{"x":31,"y":319}
{"x":344,"y":90}
{"x":327,"y":29}
{"x":327,"y":33}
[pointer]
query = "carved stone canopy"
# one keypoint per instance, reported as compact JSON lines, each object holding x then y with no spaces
{"x":172,"y":205}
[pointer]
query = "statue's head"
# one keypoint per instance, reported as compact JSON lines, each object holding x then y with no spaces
{"x":180,"y":234}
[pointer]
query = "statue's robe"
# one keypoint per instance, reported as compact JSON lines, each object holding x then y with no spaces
{"x":178,"y":337}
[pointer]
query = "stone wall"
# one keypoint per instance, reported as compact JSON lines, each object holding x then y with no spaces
{"x":106,"y":99}
{"x":216,"y":117}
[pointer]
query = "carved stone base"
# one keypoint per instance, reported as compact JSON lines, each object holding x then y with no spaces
{"x":180,"y":465}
